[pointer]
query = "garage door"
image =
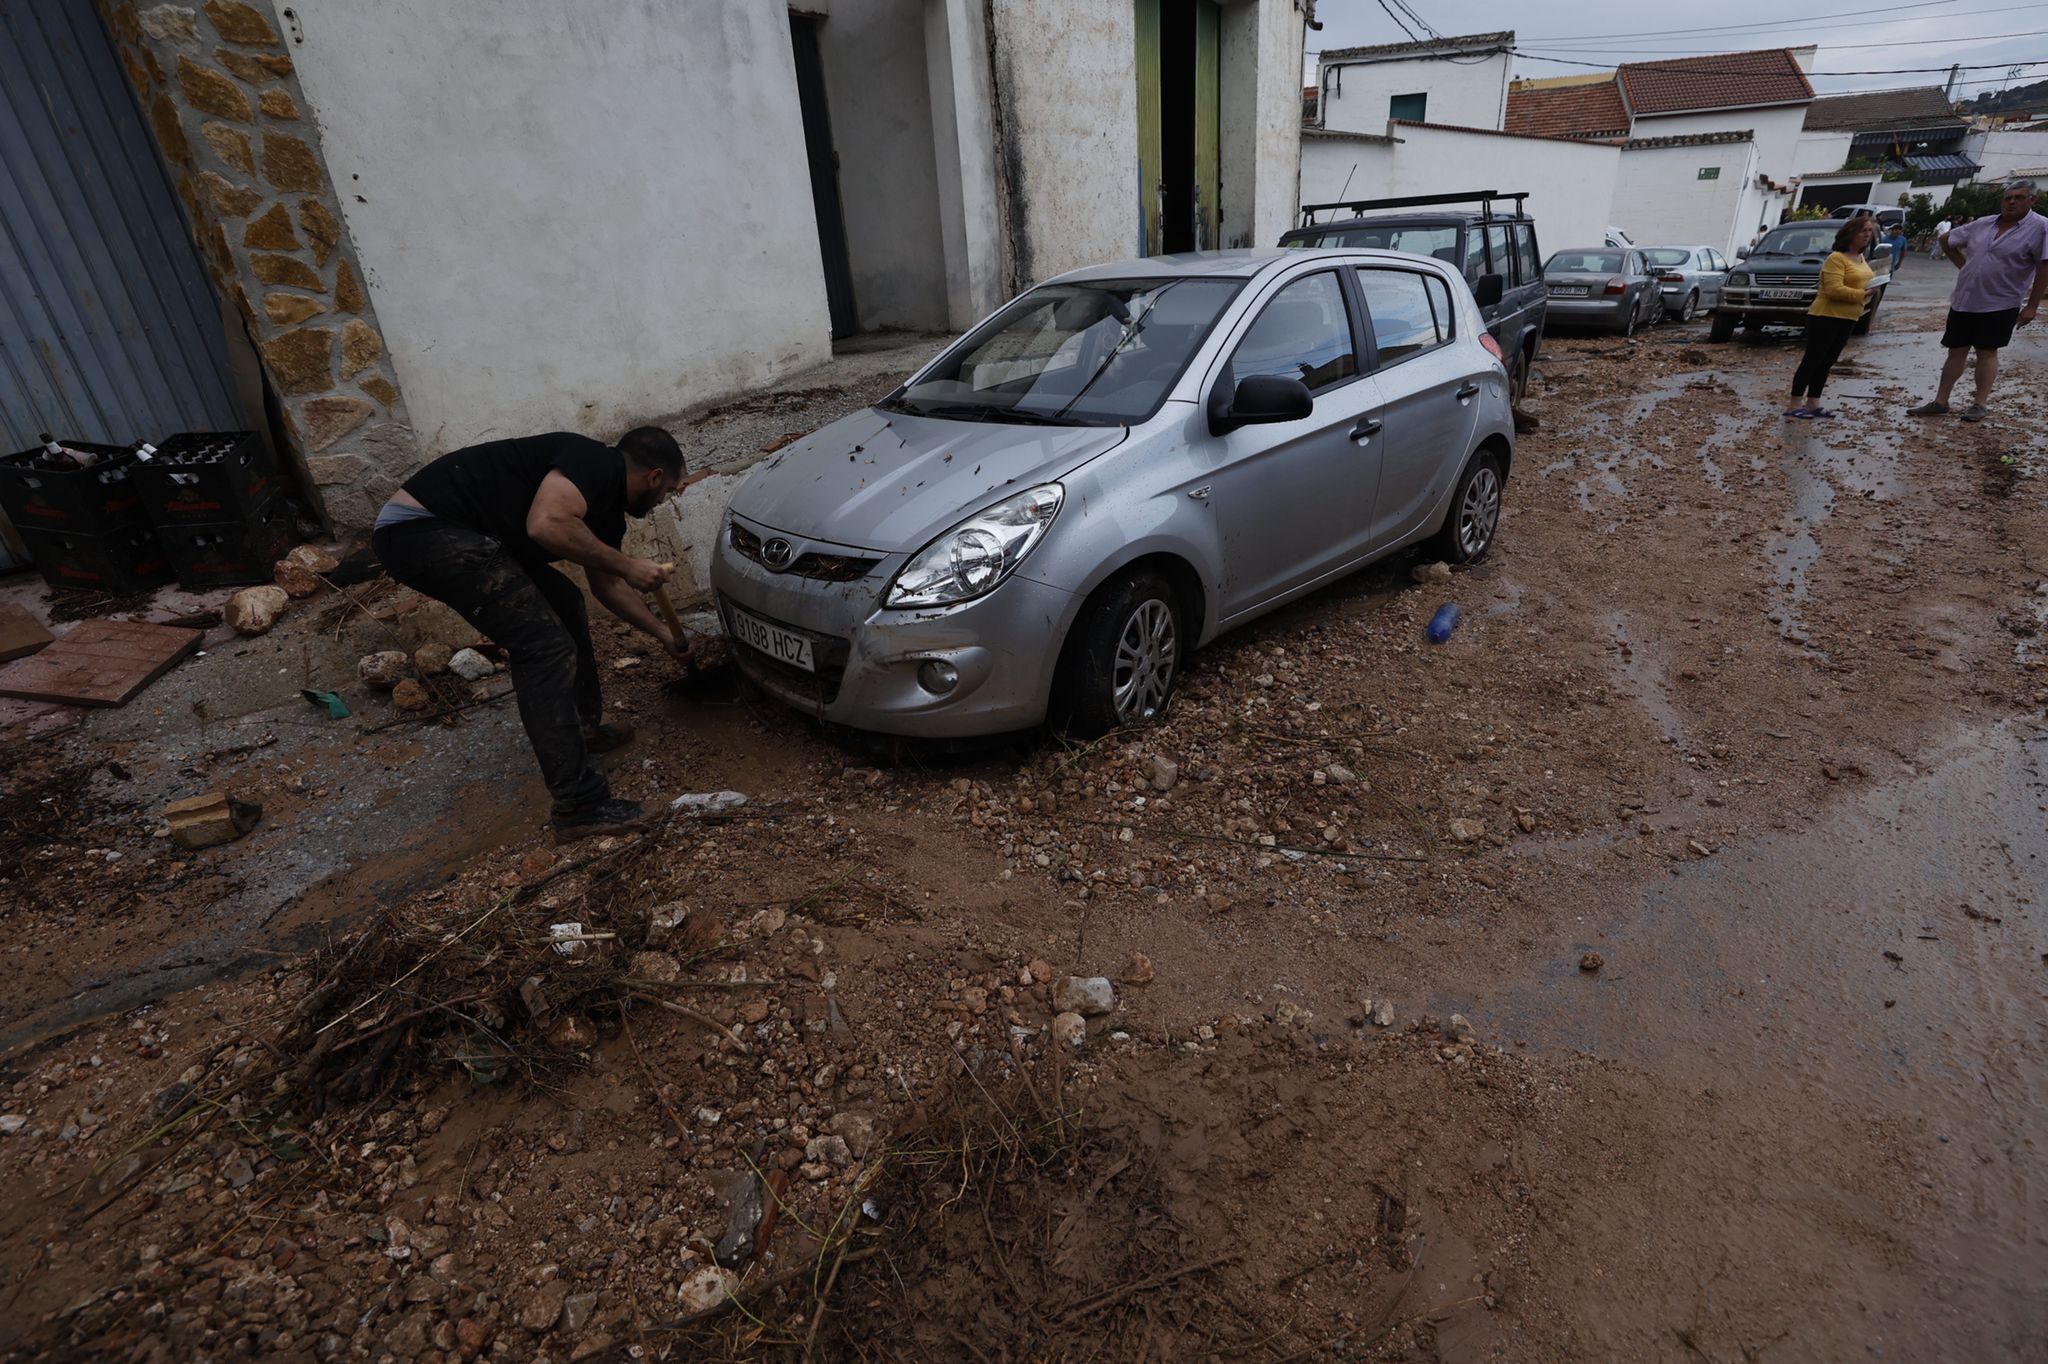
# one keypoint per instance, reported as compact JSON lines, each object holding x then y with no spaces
{"x":109,"y":328}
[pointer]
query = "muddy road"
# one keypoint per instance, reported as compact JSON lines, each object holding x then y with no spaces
{"x":1751,"y":709}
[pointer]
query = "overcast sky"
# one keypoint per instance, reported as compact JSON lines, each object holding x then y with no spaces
{"x":1610,"y":31}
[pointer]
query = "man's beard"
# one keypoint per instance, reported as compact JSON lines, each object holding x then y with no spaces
{"x":642,"y":506}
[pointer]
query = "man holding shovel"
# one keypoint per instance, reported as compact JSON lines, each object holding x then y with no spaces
{"x":479,"y":528}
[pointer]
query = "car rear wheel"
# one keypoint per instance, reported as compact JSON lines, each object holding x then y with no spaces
{"x":1123,"y":658}
{"x":1690,"y":309}
{"x":1474,"y":517}
{"x":1722,"y":328}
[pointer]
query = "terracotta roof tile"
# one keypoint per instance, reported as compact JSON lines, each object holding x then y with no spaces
{"x":1725,"y":80}
{"x":1924,"y":106}
{"x":1568,"y":111}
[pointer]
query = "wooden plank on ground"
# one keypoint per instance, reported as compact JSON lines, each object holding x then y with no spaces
{"x":20,"y":633}
{"x":98,"y":663}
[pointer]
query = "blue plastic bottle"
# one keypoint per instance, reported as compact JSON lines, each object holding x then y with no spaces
{"x":1443,"y":622}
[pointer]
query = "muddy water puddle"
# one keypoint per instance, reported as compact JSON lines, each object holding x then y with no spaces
{"x":1881,"y":970}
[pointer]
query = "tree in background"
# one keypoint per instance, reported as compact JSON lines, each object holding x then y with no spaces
{"x":1973,"y":201}
{"x":1920,"y":214}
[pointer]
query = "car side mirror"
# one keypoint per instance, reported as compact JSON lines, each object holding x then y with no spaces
{"x":1742,"y":253}
{"x":1488,"y":290}
{"x":1257,"y":400}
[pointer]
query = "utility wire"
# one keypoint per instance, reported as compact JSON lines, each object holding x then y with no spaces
{"x":1795,"y":23}
{"x":1698,"y":68}
{"x":1832,"y":47}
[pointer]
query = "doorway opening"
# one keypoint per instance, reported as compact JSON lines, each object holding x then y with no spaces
{"x":824,"y":167}
{"x":1179,"y":91}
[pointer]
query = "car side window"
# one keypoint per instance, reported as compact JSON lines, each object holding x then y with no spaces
{"x":1475,"y":255}
{"x":1503,"y":259}
{"x":1528,"y":267}
{"x":1440,"y":304}
{"x":1403,"y":321}
{"x":1304,"y":333}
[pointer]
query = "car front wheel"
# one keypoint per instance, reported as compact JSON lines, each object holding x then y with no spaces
{"x":1722,"y":328}
{"x":1123,"y":658}
{"x":1474,"y":518}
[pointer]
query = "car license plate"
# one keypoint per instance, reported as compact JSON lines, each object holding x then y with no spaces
{"x":784,"y":646}
{"x":1570,"y":290}
{"x":1781,"y":293}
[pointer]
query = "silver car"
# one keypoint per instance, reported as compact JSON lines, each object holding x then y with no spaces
{"x":1689,"y":278}
{"x":1601,"y":286}
{"x":1122,"y":463}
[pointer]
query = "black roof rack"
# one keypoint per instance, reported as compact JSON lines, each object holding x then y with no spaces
{"x":1485,"y":198}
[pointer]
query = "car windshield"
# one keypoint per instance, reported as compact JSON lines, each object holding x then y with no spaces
{"x":1806,"y":239}
{"x":1668,"y":255}
{"x":1584,"y":263}
{"x":1100,"y":353}
{"x":1439,"y":240}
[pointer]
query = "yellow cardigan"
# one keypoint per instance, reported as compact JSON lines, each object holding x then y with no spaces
{"x":1843,"y":281}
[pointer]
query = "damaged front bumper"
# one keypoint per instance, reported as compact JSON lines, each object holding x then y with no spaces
{"x":982,"y":667}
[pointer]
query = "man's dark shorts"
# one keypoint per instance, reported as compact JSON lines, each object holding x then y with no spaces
{"x":1980,"y":331}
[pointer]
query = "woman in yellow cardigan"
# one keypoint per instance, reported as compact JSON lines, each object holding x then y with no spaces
{"x":1843,"y":280}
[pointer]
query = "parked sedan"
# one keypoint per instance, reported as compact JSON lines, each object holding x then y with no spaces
{"x":1601,"y":286}
{"x":1688,"y":277}
{"x":1117,"y":466}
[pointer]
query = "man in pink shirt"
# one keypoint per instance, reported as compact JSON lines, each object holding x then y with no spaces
{"x":2004,"y":264}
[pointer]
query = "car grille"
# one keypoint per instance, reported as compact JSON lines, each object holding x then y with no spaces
{"x":1785,"y":281}
{"x":820,"y":688}
{"x":831,"y":568}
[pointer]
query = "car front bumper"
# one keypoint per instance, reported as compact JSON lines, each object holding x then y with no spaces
{"x":1746,"y":304}
{"x":869,"y":659}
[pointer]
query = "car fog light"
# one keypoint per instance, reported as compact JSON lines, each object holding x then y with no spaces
{"x":937,"y":676}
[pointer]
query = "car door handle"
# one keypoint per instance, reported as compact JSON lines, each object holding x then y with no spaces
{"x":1470,"y":389}
{"x":1366,"y":429}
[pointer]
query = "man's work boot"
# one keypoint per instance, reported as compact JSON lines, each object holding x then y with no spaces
{"x":605,"y":736}
{"x":608,"y":816}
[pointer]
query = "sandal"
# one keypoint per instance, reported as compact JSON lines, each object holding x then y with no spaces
{"x":1819,"y":413}
{"x":1798,"y":412}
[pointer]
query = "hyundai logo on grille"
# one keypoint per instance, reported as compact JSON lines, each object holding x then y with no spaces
{"x":777,"y":553}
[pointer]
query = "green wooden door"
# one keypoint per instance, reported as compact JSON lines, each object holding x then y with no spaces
{"x":1151,"y":169}
{"x":1208,"y":100}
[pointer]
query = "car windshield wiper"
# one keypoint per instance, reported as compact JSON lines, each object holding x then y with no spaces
{"x":980,"y":412}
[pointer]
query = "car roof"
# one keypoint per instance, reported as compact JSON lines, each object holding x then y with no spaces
{"x":1242,"y":264}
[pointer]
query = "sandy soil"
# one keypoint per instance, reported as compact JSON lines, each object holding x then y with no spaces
{"x":1751,"y":709}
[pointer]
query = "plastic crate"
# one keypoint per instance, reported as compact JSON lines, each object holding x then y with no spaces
{"x":222,"y":553}
{"x":126,"y":559}
{"x":201,"y":478}
{"x":83,"y":501}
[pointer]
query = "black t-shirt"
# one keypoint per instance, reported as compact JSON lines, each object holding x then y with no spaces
{"x":490,"y":487}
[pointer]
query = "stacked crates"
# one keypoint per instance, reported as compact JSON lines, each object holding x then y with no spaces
{"x":218,"y":506}
{"x":85,"y":524}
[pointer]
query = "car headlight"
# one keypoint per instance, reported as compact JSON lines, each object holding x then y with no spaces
{"x":976,"y":555}
{"x":1739,"y":281}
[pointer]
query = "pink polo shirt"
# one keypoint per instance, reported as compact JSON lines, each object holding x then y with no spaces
{"x":2000,"y":268}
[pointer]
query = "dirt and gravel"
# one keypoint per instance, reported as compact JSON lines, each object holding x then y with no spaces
{"x":1653,"y":971}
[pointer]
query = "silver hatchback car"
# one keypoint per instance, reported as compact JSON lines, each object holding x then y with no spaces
{"x":1120,"y":464}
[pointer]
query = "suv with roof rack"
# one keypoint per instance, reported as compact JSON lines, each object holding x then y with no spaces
{"x":1775,"y":281}
{"x":1495,"y":250}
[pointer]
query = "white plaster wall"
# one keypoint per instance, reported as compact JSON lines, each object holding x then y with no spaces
{"x":1327,"y":163}
{"x":1469,"y":95}
{"x":2003,"y":154}
{"x":876,"y":87}
{"x":570,"y":216}
{"x":1777,"y":132}
{"x":1659,"y":199}
{"x":1067,"y":89}
{"x":1570,"y":184}
{"x":1820,"y":153}
{"x":1261,"y":119}
{"x":961,"y":91}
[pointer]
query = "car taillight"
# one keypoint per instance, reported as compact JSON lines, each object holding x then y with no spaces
{"x":1617,"y":285}
{"x":1492,"y":346}
{"x":1672,"y":278}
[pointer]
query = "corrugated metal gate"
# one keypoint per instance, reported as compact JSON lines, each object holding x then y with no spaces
{"x":109,"y":328}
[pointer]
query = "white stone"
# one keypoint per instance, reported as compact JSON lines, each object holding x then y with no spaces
{"x":1069,"y":1030}
{"x":1091,"y":996}
{"x":471,"y":666}
{"x":254,"y":610}
{"x":708,"y":802}
{"x":10,"y":1123}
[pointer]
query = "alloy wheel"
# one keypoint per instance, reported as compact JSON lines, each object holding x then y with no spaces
{"x":1692,"y":307}
{"x":1479,"y":512}
{"x":1147,"y":652}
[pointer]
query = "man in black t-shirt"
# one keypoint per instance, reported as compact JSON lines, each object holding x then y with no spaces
{"x":478,"y":530}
